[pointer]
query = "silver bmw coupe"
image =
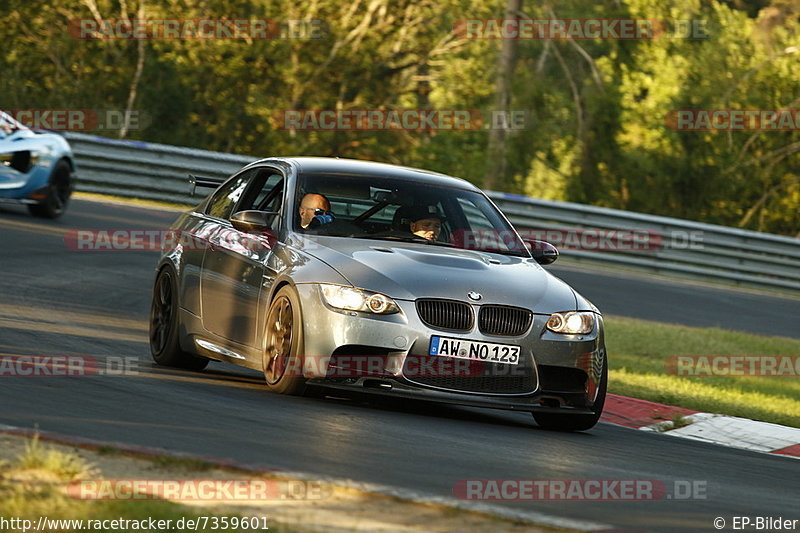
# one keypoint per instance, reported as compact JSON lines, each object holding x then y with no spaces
{"x":342,"y":274}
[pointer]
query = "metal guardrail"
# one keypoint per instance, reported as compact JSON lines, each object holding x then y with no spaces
{"x":685,"y":248}
{"x":146,"y":170}
{"x":680,"y":247}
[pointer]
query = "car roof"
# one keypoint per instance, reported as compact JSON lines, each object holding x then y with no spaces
{"x":335,"y":165}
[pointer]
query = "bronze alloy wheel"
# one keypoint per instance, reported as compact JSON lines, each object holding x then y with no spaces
{"x":279,"y":340}
{"x":282,"y":361}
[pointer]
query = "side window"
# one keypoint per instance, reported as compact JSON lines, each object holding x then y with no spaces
{"x":265,"y":194}
{"x":224,"y":200}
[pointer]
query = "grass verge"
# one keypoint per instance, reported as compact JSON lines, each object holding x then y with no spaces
{"x":33,"y":486}
{"x":639,"y":351}
{"x":34,"y":481}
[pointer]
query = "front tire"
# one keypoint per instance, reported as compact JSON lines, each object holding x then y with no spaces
{"x":567,"y":422}
{"x":59,"y":189}
{"x":164,"y":343}
{"x":282,"y":360}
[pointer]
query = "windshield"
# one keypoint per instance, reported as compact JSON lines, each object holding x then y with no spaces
{"x":8,"y":125}
{"x":377,"y":207}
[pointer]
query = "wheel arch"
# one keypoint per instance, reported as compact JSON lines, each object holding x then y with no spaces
{"x":71,"y":164}
{"x":68,"y":176}
{"x":276,"y":287}
{"x":166,"y":262}
{"x":70,"y":161}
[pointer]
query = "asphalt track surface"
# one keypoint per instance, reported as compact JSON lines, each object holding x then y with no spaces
{"x":56,"y":301}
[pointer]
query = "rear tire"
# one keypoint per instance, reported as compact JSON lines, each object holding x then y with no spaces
{"x":567,"y":422}
{"x":59,"y":189}
{"x":282,"y":359}
{"x":164,"y":344}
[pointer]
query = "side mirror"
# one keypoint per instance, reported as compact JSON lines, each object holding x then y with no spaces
{"x":543,"y":252}
{"x":252,"y":220}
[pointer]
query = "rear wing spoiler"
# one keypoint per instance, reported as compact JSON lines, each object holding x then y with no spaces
{"x":202,"y":181}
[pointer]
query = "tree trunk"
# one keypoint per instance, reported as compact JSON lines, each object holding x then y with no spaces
{"x":496,"y":151}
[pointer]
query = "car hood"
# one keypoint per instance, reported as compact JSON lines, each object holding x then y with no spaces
{"x":44,"y":143}
{"x":407,"y":271}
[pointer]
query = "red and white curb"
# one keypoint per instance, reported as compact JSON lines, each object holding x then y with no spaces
{"x":707,"y":427}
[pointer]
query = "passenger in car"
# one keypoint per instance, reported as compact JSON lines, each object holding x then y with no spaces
{"x":426,"y":221}
{"x":309,"y":205}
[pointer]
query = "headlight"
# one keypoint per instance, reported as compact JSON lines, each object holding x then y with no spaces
{"x":579,"y":322}
{"x":352,"y":299}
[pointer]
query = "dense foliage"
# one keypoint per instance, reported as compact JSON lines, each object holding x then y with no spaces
{"x":596,"y":110}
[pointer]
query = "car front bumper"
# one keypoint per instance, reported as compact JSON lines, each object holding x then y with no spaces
{"x":388,"y":354}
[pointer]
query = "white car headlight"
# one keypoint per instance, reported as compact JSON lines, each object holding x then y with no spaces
{"x":574,"y":323}
{"x":352,"y":299}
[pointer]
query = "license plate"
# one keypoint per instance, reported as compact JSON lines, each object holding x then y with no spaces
{"x":489,"y":352}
